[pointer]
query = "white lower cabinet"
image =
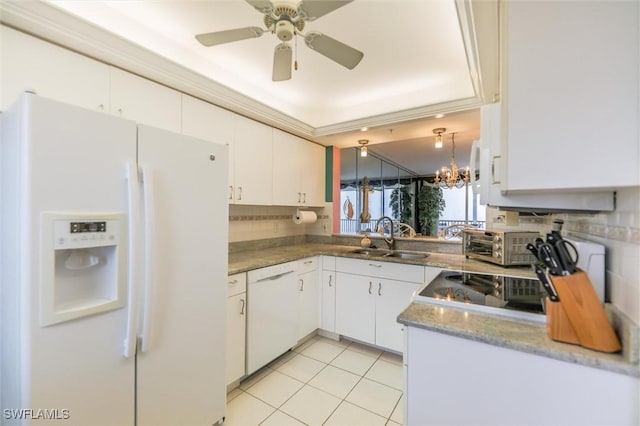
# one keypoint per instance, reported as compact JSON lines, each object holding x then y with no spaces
{"x":355,"y":307}
{"x":308,"y":306}
{"x":453,"y":380}
{"x":392,"y":298}
{"x":236,"y":326}
{"x":369,"y":297}
{"x":328,"y":294}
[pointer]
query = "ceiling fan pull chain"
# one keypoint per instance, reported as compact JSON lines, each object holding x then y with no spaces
{"x":295,"y":62}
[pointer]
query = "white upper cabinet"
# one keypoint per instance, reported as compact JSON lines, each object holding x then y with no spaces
{"x":253,"y":156}
{"x":570,"y":95}
{"x":144,"y":101}
{"x":27,"y":63}
{"x":298,"y":171}
{"x":206,"y":121}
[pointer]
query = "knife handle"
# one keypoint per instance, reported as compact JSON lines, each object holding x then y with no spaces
{"x":546,"y":283}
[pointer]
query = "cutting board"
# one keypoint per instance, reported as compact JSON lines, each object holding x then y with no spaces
{"x":584,"y":312}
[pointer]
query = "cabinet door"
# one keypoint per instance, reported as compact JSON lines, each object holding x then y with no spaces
{"x":288,"y":168}
{"x":307,"y":303}
{"x":328,"y":296}
{"x":253,"y":162}
{"x":392,"y":298}
{"x":144,"y":101}
{"x":206,"y":121}
{"x":236,"y":333}
{"x":355,"y":307}
{"x":28,"y":63}
{"x":313,"y":177}
{"x":572,"y":95}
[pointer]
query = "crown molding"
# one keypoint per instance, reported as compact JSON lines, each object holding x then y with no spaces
{"x":49,"y":23}
{"x":54,"y":25}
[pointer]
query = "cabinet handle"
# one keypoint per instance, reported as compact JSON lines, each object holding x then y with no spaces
{"x":304,"y":197}
{"x":242,"y":308}
{"x":230,"y":192}
{"x":120,"y":111}
{"x":239,"y":193}
{"x":370,"y":287}
{"x":233,"y":282}
{"x":101,"y":107}
{"x":330,"y":278}
{"x":375,"y":266}
{"x":301,"y":285}
{"x":379,"y":289}
{"x":299,"y":196}
{"x":306,"y":262}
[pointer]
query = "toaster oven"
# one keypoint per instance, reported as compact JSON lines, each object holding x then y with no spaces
{"x":505,"y":248}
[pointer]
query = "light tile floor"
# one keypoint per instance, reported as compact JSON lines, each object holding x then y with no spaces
{"x":322,"y":382}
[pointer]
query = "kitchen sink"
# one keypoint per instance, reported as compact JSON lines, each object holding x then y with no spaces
{"x":372,"y":252}
{"x":406,"y":255}
{"x":387,"y":253}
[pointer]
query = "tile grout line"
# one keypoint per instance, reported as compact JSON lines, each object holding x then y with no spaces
{"x":298,"y":351}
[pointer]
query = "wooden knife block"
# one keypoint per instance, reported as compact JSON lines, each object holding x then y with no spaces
{"x":579,"y":316}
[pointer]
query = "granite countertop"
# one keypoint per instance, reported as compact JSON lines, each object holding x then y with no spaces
{"x":247,"y":260}
{"x":522,"y":335}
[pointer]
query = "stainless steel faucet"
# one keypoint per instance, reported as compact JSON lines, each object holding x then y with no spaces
{"x":391,"y":242}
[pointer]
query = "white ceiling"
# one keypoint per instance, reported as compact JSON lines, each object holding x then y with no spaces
{"x":415,"y":65}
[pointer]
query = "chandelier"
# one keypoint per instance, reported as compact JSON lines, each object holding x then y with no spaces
{"x":450,"y":177}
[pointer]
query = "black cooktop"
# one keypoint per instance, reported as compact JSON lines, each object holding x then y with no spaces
{"x":495,"y":291}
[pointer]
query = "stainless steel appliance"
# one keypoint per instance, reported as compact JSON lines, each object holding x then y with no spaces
{"x":506,"y":248}
{"x":513,"y":296}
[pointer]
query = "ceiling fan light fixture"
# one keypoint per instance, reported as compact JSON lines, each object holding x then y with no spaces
{"x":284,"y":30}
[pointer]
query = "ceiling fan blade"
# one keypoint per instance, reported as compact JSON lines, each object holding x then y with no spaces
{"x":262,"y":6}
{"x":282,"y":62}
{"x":339,"y":52}
{"x":221,"y":37}
{"x":314,"y":9}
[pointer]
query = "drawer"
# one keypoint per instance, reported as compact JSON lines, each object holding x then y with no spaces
{"x":307,"y":264}
{"x":378,"y":269}
{"x":236,"y":284}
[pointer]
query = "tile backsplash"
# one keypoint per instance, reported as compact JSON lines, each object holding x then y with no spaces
{"x":618,"y":231}
{"x":248,"y":223}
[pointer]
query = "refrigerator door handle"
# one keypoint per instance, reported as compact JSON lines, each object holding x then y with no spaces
{"x":133,"y":195}
{"x":149,"y":256}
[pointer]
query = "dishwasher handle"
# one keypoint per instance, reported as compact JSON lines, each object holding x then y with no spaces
{"x":274,"y":277}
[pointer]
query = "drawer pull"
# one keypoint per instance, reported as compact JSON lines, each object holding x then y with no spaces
{"x":375,"y":266}
{"x":370,"y":287}
{"x":242,"y":308}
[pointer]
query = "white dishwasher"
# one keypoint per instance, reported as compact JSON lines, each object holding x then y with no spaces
{"x":272,"y":325}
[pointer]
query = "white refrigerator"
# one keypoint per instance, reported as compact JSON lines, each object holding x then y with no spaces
{"x":114,"y":264}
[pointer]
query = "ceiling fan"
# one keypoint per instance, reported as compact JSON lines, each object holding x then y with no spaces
{"x":286,"y":19}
